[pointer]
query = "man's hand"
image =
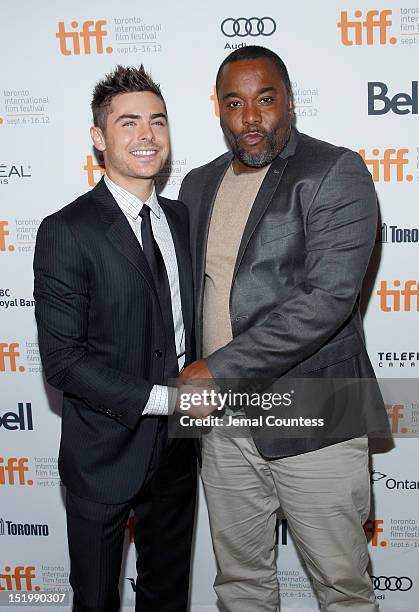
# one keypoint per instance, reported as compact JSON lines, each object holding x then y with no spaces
{"x":196,"y":399}
{"x":197,"y":369}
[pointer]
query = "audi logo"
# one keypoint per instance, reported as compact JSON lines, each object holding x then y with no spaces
{"x":391,"y":583}
{"x":252,"y":26}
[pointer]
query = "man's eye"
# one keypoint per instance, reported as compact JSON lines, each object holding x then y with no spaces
{"x":128,"y":123}
{"x":233,"y":104}
{"x":159,"y":123}
{"x":267,"y":100}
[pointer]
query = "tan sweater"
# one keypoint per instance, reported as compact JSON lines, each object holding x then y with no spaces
{"x":232,"y":206}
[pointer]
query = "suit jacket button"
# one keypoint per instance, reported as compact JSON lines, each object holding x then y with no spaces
{"x":158,"y":353}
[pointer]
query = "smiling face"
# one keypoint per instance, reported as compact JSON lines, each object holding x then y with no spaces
{"x":255,"y":112}
{"x":135,"y":143}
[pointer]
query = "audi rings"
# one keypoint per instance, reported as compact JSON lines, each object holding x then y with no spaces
{"x":252,"y":26}
{"x":391,"y":583}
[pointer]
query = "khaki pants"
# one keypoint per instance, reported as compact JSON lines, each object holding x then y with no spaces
{"x":325,"y":497}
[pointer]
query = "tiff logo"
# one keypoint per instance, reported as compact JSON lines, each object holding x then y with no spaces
{"x":391,"y":300}
{"x":93,"y":171}
{"x":391,"y":159}
{"x":395,"y":415}
{"x":15,"y":466}
{"x":70,"y":40}
{"x":4,"y":232}
{"x":359,"y":31}
{"x":19,"y":578}
{"x":8,"y":355}
{"x":374,"y":527}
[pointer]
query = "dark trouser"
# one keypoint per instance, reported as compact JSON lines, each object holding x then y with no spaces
{"x":164,"y":512}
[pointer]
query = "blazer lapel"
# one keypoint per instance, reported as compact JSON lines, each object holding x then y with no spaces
{"x":181,"y":242}
{"x":120,"y":233}
{"x":265,"y":194}
{"x":261,"y":203}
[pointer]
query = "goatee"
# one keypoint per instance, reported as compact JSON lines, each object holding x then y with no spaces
{"x":275,"y":141}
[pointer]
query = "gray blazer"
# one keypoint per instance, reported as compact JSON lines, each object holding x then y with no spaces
{"x":294,"y":301}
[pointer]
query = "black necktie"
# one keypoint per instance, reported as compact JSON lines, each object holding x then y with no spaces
{"x":158,"y":270}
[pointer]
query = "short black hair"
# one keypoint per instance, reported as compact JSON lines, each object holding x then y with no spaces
{"x":253,"y":52}
{"x":124,"y":79}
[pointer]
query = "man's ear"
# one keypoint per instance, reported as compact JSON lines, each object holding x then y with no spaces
{"x":98,"y":138}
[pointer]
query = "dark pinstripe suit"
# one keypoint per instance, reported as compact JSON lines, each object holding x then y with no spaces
{"x":102,"y":342}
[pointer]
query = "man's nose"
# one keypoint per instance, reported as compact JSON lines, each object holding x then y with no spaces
{"x":144,"y":131}
{"x":251,"y":114}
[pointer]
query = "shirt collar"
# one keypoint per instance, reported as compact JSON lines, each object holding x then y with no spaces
{"x":129,"y":203}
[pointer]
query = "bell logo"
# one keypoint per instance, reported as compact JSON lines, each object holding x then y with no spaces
{"x":215,"y":102}
{"x":391,"y":300}
{"x":93,"y":171}
{"x":12,"y":471}
{"x":374,"y":527}
{"x":19,"y":578}
{"x":395,"y":415}
{"x":359,"y":31}
{"x":381,"y":168}
{"x":20,"y":420}
{"x":8,"y":355}
{"x":70,"y":40}
{"x":4,"y":232}
{"x":400,"y":104}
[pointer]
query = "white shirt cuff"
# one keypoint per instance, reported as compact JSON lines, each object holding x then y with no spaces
{"x":162,"y":401}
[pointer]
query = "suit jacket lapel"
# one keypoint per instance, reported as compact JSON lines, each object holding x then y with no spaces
{"x":266,"y":193}
{"x":181,"y":242}
{"x":120,"y":233}
{"x":261,"y":203}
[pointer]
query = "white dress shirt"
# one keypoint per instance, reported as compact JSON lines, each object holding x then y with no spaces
{"x":158,"y":402}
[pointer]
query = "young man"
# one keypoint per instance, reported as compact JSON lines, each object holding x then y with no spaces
{"x":282,"y":230}
{"x":114,"y":308}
